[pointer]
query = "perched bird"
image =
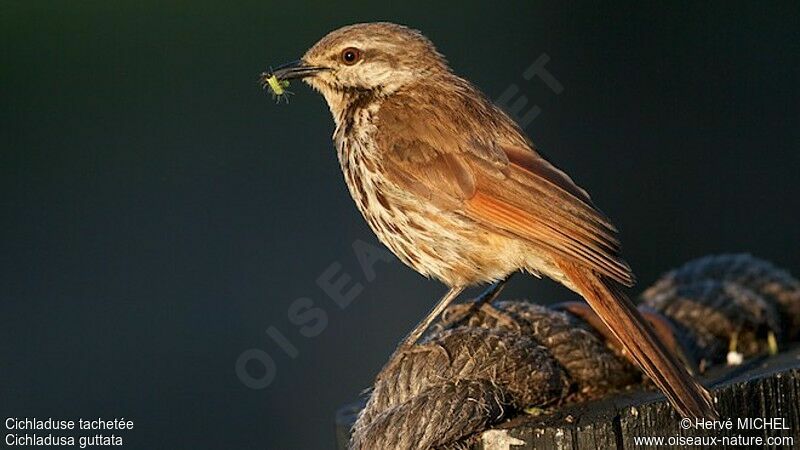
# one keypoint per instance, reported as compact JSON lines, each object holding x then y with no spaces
{"x":451,"y":185}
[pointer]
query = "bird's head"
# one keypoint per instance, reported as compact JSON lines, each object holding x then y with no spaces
{"x":370,"y":58}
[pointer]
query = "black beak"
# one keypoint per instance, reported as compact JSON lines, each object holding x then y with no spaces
{"x":293,"y":70}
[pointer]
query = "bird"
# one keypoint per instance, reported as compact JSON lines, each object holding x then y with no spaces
{"x":453,"y":187}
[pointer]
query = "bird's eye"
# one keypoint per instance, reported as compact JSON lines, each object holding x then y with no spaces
{"x":351,"y":55}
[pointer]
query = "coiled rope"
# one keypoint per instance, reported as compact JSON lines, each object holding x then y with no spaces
{"x":477,"y":368}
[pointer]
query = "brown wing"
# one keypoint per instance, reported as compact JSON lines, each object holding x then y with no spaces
{"x":498,"y":181}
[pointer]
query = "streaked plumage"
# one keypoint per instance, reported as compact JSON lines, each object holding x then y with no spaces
{"x":450,"y":184}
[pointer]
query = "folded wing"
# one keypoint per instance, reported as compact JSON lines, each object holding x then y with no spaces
{"x":498,"y":181}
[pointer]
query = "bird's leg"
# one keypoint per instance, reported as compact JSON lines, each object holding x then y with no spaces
{"x":420,"y":329}
{"x":484,"y":302}
{"x":417,"y":332}
{"x":491,"y":293}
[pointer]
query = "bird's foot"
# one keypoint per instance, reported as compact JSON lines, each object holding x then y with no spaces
{"x":502,"y":318}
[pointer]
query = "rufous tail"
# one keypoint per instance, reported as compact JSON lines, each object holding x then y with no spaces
{"x":614,"y":308}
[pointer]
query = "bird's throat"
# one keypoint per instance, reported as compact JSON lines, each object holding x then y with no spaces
{"x":355,"y":109}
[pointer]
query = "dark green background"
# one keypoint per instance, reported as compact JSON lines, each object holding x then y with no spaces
{"x":159,"y":212}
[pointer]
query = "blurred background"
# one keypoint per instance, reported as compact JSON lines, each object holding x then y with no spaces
{"x":160,"y":212}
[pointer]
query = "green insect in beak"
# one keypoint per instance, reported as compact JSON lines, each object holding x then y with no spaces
{"x":278,"y":80}
{"x":276,"y":86}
